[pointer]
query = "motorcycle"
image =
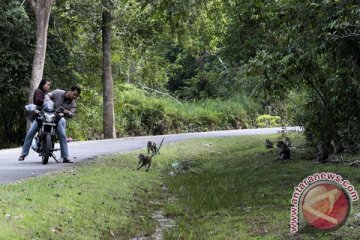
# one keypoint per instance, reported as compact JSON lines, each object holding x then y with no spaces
{"x":48,"y":120}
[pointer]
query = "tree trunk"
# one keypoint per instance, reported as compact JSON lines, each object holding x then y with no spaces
{"x":108,"y":98}
{"x":42,"y":9}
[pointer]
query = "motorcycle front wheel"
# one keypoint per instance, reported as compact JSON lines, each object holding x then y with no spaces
{"x":47,"y":149}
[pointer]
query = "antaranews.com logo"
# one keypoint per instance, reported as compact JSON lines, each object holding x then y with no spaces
{"x":322,"y":201}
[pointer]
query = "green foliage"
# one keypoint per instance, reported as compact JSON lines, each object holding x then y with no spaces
{"x":299,"y":46}
{"x":145,"y":114}
{"x":268,"y":121}
{"x":59,"y":68}
{"x":267,"y":53}
{"x":17,"y":39}
{"x":295,"y":109}
{"x":87,"y":124}
{"x":139,"y":112}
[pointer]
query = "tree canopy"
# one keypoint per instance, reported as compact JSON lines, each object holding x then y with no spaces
{"x":297,"y":60}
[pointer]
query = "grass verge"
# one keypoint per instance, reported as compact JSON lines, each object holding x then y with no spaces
{"x":102,"y":199}
{"x":229,"y":188}
{"x":237,"y":191}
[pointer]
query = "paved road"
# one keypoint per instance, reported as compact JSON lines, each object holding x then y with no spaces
{"x":11,"y":169}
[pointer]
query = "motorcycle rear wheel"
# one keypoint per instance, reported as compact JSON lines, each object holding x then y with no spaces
{"x":47,"y":149}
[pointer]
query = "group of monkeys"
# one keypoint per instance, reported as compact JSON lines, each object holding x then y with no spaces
{"x":146,"y":160}
{"x":324,"y":151}
{"x":283,"y":151}
{"x":283,"y":148}
{"x":320,"y":157}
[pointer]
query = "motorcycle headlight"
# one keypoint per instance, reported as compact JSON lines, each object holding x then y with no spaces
{"x":49,"y":106}
{"x":49,"y":117}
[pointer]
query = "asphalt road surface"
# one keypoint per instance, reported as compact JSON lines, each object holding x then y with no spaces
{"x":12,"y":170}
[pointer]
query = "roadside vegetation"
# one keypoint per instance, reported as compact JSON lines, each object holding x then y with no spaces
{"x":229,"y":188}
{"x":139,"y":112}
{"x":182,"y":66}
{"x":229,"y":64}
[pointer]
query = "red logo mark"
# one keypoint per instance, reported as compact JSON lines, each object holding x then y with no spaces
{"x":326,"y":206}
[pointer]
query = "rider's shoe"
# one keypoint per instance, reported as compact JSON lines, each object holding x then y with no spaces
{"x":21,"y":158}
{"x":66,"y":160}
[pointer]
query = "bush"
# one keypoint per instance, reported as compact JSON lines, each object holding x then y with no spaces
{"x":140,"y":113}
{"x":268,"y":121}
{"x":87,"y":124}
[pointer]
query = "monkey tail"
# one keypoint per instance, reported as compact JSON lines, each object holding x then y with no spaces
{"x":160,"y":145}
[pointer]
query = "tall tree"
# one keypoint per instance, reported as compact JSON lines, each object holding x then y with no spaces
{"x":108,"y":112}
{"x":42,"y":9}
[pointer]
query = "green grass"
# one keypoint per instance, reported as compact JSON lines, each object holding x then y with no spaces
{"x":89,"y":201}
{"x":233,"y":190}
{"x":240,"y":192}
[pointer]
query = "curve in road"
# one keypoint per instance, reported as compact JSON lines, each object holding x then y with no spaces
{"x":12,"y":170}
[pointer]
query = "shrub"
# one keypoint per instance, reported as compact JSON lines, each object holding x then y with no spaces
{"x":268,"y":121}
{"x":87,"y":123}
{"x":140,"y":113}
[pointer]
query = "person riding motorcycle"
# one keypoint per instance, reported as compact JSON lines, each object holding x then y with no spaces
{"x":38,"y":100}
{"x":64,"y":102}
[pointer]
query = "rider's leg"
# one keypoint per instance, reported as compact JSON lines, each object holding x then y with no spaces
{"x":34,"y":128}
{"x":62,"y":138}
{"x":63,"y":123}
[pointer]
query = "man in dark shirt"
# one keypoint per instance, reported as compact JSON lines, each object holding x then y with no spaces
{"x":64,"y":101}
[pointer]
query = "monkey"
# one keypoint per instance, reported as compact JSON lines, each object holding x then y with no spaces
{"x":338,"y":147}
{"x":284,"y":151}
{"x":268,"y":144}
{"x":323,"y":153}
{"x":151,"y":147}
{"x":288,"y":142}
{"x":144,"y":160}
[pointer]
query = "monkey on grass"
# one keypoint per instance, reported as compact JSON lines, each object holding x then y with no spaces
{"x":284,"y":151}
{"x":151,"y":147}
{"x":288,"y":142}
{"x":146,"y":160}
{"x":323,"y":154}
{"x":338,"y":146}
{"x":268,"y":144}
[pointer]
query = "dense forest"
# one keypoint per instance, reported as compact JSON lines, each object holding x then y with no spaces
{"x":180,"y":66}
